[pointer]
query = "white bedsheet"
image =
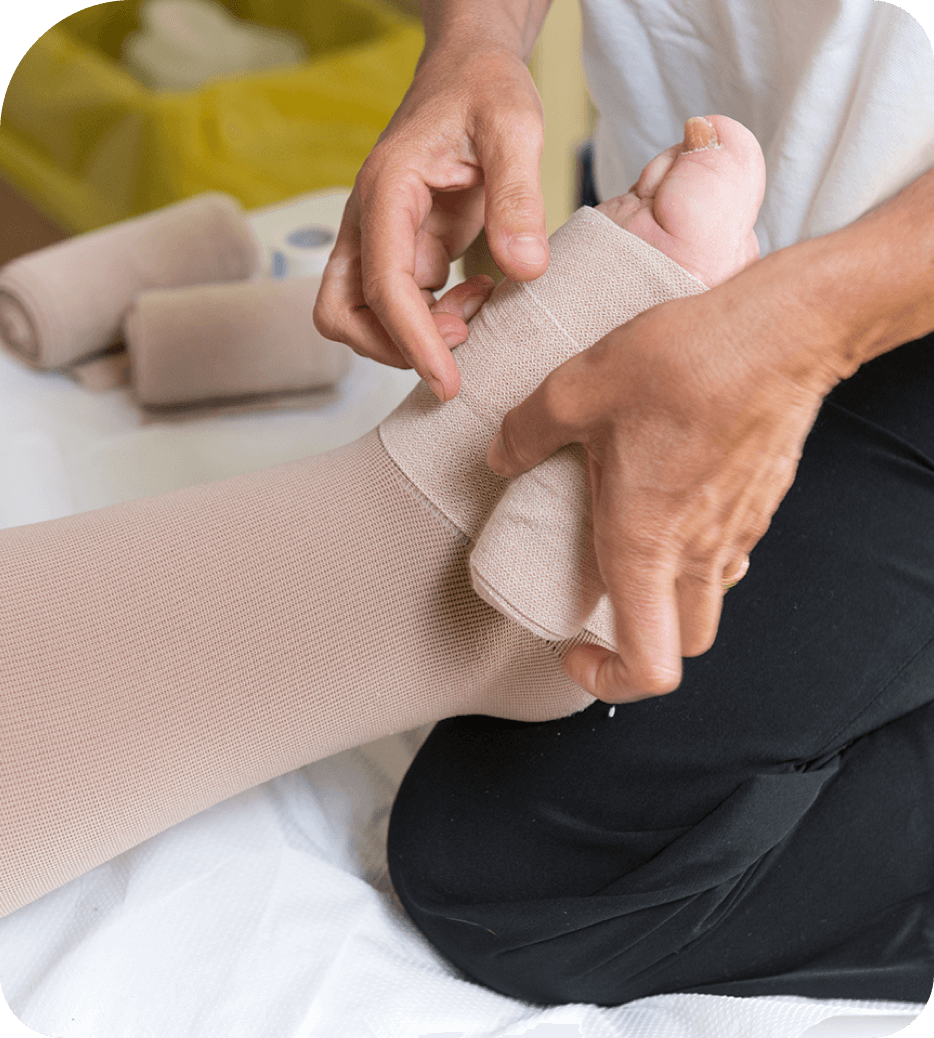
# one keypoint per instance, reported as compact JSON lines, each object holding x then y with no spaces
{"x":271,"y":914}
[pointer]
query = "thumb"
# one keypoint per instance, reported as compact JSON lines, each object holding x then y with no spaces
{"x":515,"y":210}
{"x":529,"y":434}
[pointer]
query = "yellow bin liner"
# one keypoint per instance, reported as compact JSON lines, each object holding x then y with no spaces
{"x":90,"y":145}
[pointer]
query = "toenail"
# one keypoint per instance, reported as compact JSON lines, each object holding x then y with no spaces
{"x":699,"y":135}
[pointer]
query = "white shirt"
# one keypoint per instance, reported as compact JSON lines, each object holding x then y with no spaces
{"x":839,"y":93}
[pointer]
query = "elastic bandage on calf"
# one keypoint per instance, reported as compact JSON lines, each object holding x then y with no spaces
{"x":164,"y":654}
{"x":533,"y":557}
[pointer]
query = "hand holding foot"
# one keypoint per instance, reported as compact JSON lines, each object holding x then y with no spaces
{"x":692,"y":415}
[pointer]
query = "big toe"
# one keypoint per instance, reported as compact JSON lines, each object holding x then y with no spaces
{"x":709,"y":197}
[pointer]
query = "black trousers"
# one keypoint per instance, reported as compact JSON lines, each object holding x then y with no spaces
{"x":767,"y":828}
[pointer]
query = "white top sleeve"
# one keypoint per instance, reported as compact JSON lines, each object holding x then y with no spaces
{"x":839,"y":93}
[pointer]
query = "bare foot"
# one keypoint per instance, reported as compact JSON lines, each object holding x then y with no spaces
{"x":698,"y":200}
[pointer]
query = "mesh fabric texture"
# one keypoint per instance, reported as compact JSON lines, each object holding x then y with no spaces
{"x":534,"y":558}
{"x":164,"y":654}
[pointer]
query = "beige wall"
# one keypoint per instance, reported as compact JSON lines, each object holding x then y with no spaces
{"x":569,"y":120}
{"x":558,"y":74}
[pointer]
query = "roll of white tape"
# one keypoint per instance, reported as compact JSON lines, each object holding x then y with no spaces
{"x":302,"y":251}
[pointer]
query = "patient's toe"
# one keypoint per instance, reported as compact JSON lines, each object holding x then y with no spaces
{"x":697,"y":201}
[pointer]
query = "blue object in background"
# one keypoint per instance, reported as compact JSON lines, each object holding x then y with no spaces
{"x":301,"y":238}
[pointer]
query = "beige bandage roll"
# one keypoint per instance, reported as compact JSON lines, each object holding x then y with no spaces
{"x":219,"y":342}
{"x":67,"y":301}
{"x":533,"y":557}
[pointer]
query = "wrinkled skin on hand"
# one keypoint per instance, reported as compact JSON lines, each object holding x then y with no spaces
{"x":466,"y":141}
{"x":693,"y":416}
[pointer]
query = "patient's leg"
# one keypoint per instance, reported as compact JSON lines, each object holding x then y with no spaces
{"x":161,"y":655}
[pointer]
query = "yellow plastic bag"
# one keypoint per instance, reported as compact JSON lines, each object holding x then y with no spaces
{"x":89,"y":145}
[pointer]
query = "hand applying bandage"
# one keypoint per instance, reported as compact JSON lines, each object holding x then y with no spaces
{"x":689,"y":421}
{"x":461,"y":153}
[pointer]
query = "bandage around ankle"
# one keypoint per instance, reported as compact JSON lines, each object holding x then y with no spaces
{"x":533,"y":557}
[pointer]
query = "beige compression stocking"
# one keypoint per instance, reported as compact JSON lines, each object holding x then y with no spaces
{"x":164,"y":654}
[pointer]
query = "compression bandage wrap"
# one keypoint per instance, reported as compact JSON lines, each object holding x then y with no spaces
{"x":533,"y":559}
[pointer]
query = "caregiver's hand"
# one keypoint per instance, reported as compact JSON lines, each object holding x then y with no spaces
{"x":466,"y":140}
{"x":693,"y":416}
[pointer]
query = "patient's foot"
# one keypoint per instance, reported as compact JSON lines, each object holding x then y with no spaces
{"x":698,"y":200}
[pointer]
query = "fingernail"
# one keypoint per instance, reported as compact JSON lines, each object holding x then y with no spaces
{"x":699,"y":135}
{"x":436,"y":387}
{"x":732,"y":581}
{"x":472,"y":305}
{"x":528,"y":249}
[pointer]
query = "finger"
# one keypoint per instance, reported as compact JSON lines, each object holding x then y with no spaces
{"x":465,"y":299}
{"x":700,"y":590}
{"x":392,"y":213}
{"x":639,"y":561}
{"x":543,"y":423}
{"x":456,"y":218}
{"x":510,"y":153}
{"x":700,"y":601}
{"x":648,"y":629}
{"x":432,"y":262}
{"x":648,"y":658}
{"x":593,"y":667}
{"x":458,"y":306}
{"x":339,"y":312}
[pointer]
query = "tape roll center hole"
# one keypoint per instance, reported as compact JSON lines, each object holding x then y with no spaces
{"x":310,"y":237}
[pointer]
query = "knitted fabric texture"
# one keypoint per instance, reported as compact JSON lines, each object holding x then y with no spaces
{"x":161,"y":655}
{"x":215,"y":342}
{"x":533,"y":559}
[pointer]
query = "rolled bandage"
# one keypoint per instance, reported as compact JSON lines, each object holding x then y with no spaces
{"x":67,"y":301}
{"x":533,"y":557}
{"x":218,"y":342}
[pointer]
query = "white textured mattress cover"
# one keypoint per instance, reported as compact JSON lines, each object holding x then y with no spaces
{"x":271,"y":915}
